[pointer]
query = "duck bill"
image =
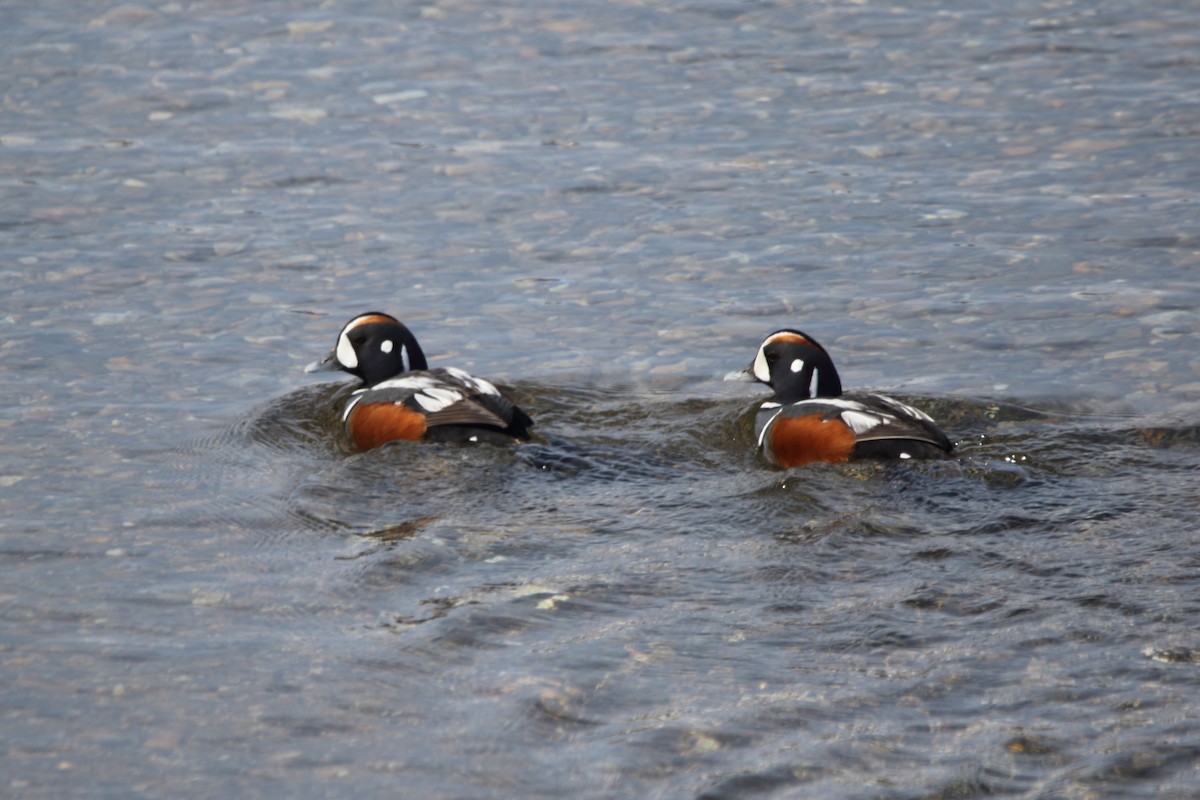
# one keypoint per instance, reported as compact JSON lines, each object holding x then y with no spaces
{"x":328,"y":364}
{"x":743,"y":375}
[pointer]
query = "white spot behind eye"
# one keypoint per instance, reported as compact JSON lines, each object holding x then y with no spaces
{"x":797,"y":365}
{"x":345,"y":352}
{"x":386,"y":346}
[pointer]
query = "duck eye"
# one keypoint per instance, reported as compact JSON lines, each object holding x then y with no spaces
{"x":771,"y":356}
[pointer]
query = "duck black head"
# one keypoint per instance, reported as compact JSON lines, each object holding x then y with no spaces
{"x":374,"y":347}
{"x":794,"y":365}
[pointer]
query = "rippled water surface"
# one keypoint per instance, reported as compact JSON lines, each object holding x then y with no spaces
{"x":987,"y":209}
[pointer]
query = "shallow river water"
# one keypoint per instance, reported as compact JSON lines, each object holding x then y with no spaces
{"x":988,"y":209}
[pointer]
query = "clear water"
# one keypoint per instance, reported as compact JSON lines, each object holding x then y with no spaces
{"x":990,"y":211}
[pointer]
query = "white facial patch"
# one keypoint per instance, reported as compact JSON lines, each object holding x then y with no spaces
{"x":345,"y":352}
{"x":797,"y":365}
{"x":386,"y":346}
{"x":761,"y":370}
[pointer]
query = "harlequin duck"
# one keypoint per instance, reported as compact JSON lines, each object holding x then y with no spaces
{"x":401,"y":398}
{"x":809,"y":418}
